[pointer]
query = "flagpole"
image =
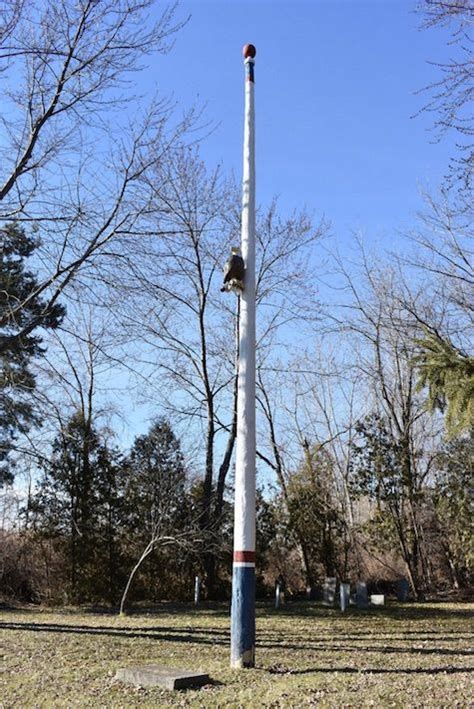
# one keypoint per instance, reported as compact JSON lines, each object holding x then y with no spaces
{"x":243,"y":572}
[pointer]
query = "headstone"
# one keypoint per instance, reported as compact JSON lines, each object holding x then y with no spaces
{"x":377,"y":599}
{"x":329,"y":591}
{"x":402,"y":588}
{"x":362,"y":601}
{"x":279,"y":591}
{"x":344,"y":593}
{"x":161,"y":676}
{"x":197,"y":590}
{"x":317,"y":592}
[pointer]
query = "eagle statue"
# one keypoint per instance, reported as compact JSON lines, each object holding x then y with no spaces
{"x":234,"y":271}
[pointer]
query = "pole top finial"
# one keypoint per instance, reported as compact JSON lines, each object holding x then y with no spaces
{"x":249,"y":51}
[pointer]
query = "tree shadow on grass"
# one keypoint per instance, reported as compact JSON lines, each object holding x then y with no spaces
{"x":208,"y":636}
{"x":381,"y":635}
{"x":145,"y":630}
{"x":279,"y":670}
{"x":193,"y":636}
{"x":400,"y":634}
{"x":379,"y":649}
{"x":418,"y":636}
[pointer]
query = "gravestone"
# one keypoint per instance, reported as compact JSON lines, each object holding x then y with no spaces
{"x":279,"y":591}
{"x":362,"y":600}
{"x":161,"y":676}
{"x":278,"y":595}
{"x":318,"y":592}
{"x":377,"y":599}
{"x":197,"y":590}
{"x":329,"y":591}
{"x":402,"y":588}
{"x":344,"y":593}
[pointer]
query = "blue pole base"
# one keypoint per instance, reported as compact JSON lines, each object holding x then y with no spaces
{"x":243,"y":617}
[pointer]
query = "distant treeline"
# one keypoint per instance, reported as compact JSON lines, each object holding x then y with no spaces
{"x":95,"y":511}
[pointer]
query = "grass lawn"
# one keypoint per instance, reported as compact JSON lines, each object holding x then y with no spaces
{"x":413,"y":655}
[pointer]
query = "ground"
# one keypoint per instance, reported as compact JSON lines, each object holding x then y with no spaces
{"x":413,"y":655}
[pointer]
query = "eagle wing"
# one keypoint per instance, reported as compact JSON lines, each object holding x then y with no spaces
{"x":234,"y":268}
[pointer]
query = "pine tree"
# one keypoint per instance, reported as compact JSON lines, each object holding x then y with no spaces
{"x":449,"y":376}
{"x":71,"y":504}
{"x":156,"y":505}
{"x":157,"y":476}
{"x":313,"y":514}
{"x":384,"y":470}
{"x":453,"y":497}
{"x":19,"y":338}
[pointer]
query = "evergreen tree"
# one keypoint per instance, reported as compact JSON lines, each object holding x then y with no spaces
{"x":156,"y":482}
{"x":267,"y":530}
{"x":111,"y":570}
{"x":384,"y":470}
{"x":313,"y":513}
{"x":453,"y":498}
{"x":76,"y":506}
{"x":449,"y":375}
{"x":156,"y":504}
{"x":19,"y":338}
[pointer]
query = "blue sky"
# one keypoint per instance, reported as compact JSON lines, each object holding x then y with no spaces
{"x":336,"y":92}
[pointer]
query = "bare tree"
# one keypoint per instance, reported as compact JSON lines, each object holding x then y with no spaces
{"x":451,"y":96}
{"x":436,"y":295}
{"x":185,"y":542}
{"x":384,"y":358}
{"x":185,"y":327}
{"x":71,"y":167}
{"x":443,"y":259}
{"x":308,"y":405}
{"x":443,"y":242}
{"x":10,"y":12}
{"x":73,"y":377}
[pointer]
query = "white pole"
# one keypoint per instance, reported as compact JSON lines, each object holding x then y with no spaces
{"x":243,"y":576}
{"x":197,"y":590}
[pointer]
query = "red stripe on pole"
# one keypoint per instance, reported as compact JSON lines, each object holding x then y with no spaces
{"x":244,"y":556}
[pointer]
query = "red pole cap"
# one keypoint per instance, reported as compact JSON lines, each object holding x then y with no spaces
{"x":249,"y":51}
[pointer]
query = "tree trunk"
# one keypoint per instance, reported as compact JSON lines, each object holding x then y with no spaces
{"x":146,"y":552}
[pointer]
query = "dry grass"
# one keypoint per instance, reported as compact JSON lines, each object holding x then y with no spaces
{"x":400,"y":656}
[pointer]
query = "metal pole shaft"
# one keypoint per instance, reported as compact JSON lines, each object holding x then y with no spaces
{"x":243,"y":576}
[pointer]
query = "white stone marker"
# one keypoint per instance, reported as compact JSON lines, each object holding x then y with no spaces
{"x":277,"y":595}
{"x":344,"y":593}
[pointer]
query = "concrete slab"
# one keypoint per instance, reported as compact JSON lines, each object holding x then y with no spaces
{"x":161,"y":676}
